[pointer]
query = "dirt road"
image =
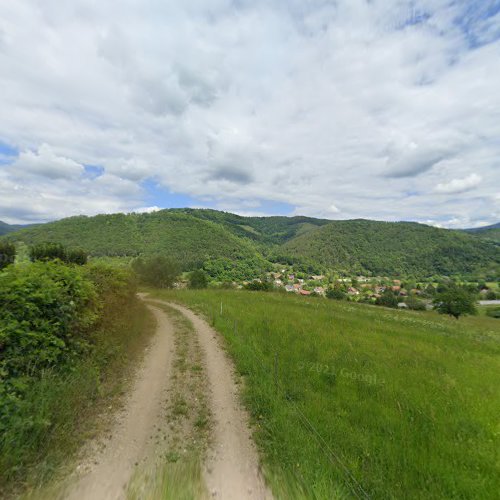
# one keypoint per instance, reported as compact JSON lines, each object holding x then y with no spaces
{"x":231,"y":465}
{"x":109,"y":468}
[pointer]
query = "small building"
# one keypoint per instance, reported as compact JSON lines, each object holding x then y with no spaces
{"x":402,"y":305}
{"x":352,"y":291}
{"x":305,"y":292}
{"x":289,"y":288}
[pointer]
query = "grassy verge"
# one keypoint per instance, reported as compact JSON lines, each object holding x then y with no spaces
{"x":357,"y":401}
{"x":61,"y":410}
{"x":176,"y":474}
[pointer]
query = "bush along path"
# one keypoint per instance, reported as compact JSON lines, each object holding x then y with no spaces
{"x":181,"y":432}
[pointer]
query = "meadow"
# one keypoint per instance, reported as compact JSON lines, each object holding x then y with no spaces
{"x":355,"y":401}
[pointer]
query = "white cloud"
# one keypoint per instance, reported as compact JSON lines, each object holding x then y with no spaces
{"x":370,"y":104}
{"x":46,"y":163}
{"x":456,"y":186}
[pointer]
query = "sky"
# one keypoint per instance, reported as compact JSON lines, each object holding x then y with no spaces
{"x":379,"y":109}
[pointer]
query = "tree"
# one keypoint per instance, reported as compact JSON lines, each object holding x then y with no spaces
{"x":455,"y":301}
{"x":198,"y":279}
{"x":55,"y":251}
{"x":7,"y":254}
{"x":336,"y":293}
{"x":76,"y":256}
{"x":159,"y":271}
{"x":47,"y":251}
{"x":387,"y":299}
{"x":415,"y":304}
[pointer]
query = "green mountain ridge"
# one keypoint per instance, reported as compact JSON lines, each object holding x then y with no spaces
{"x":395,"y":248}
{"x":488,"y":232}
{"x":222,"y":240}
{"x":10,"y":228}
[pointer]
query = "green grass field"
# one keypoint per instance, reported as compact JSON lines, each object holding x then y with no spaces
{"x":357,"y":401}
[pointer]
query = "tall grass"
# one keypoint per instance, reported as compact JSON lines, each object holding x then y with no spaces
{"x":357,"y":401}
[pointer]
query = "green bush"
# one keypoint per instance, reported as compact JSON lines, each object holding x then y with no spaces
{"x":159,"y":271}
{"x":47,"y":310}
{"x":493,"y":313}
{"x":7,"y":254}
{"x":198,"y":279}
{"x":336,"y":293}
{"x":55,"y":251}
{"x":387,"y":299}
{"x":259,"y":286}
{"x":415,"y":304}
{"x":63,"y":330}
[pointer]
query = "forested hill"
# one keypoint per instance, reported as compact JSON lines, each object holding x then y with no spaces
{"x":9,"y":228}
{"x":224,"y":240}
{"x":488,"y":232}
{"x":182,"y":236}
{"x":270,"y":230}
{"x":395,"y":247}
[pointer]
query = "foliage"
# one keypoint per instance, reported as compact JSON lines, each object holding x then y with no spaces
{"x":337,"y":292}
{"x":386,"y":248}
{"x":259,"y":286}
{"x":56,"y":251}
{"x":159,"y":271}
{"x":415,"y":304}
{"x":7,"y":254}
{"x":200,"y":238}
{"x":490,"y":295}
{"x":225,"y":269}
{"x":46,"y":312}
{"x":387,"y":299}
{"x":198,"y":279}
{"x":188,"y":239}
{"x":67,"y":334}
{"x":407,"y":402}
{"x":455,"y":301}
{"x":493,"y":312}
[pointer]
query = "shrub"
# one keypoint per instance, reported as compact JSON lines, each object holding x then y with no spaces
{"x":47,"y":310}
{"x":159,"y":271}
{"x":7,"y":254}
{"x":336,"y":293}
{"x":55,"y":251}
{"x":76,"y":256}
{"x":259,"y":286}
{"x":198,"y":279}
{"x":493,"y":313}
{"x":387,"y":299}
{"x":415,"y":304}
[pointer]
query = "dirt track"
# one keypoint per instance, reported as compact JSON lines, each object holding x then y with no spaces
{"x":109,"y":470}
{"x":231,"y":468}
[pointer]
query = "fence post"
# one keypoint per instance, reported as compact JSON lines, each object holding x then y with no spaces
{"x":276,"y":372}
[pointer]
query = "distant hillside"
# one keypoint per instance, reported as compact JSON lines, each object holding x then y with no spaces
{"x":238,"y":246}
{"x":181,"y":235}
{"x":270,"y":230}
{"x":489,"y":232}
{"x":391,"y":248}
{"x":9,"y":228}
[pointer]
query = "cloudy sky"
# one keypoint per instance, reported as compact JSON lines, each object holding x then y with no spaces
{"x":382,"y":109}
